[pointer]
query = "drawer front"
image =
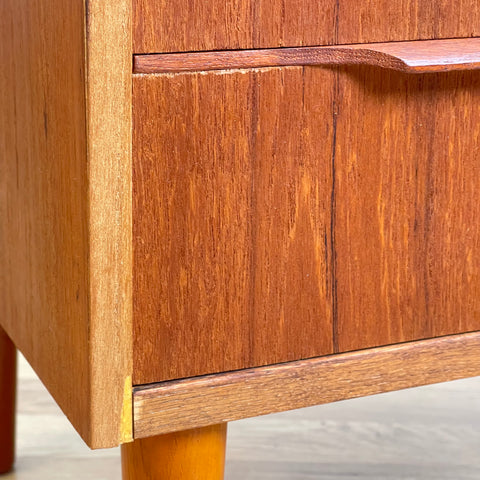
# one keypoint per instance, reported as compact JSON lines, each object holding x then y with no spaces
{"x":232,"y":184}
{"x":193,"y":25}
{"x":293,"y":212}
{"x":407,"y":229}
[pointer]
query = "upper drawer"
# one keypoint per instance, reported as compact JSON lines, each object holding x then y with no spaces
{"x":192,"y":25}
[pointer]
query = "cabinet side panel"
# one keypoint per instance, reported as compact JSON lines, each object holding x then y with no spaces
{"x":65,"y":204}
{"x":44,"y":300}
{"x":65,"y":200}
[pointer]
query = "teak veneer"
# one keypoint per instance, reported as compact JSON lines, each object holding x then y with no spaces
{"x":197,"y":25}
{"x":284,"y":223}
{"x":224,"y":209}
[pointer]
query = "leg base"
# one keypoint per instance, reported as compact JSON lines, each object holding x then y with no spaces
{"x":191,"y":455}
{"x":8,"y":368}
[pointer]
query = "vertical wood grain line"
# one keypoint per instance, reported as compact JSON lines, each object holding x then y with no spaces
{"x":333,"y":204}
{"x":254,"y":120}
{"x":428,"y":232}
{"x":337,"y":21}
{"x":336,"y":348}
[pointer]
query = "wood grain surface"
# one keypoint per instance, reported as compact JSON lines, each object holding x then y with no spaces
{"x":109,"y":156}
{"x":195,"y":25}
{"x":188,"y":455}
{"x":232,"y":396}
{"x":384,"y":20}
{"x":232,"y":191}
{"x":285,"y":212}
{"x":411,"y":57}
{"x":407,"y":178}
{"x":65,"y":202}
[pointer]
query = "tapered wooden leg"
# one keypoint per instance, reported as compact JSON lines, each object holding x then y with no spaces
{"x":191,"y":455}
{"x":8,"y":372}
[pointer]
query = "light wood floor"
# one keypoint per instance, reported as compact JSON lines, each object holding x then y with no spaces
{"x":429,"y":433}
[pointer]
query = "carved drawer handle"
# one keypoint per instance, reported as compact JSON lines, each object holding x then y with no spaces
{"x":422,"y":56}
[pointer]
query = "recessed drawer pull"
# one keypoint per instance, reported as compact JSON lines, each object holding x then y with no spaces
{"x":410,"y":57}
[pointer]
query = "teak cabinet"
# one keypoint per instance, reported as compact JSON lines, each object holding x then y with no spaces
{"x":220,"y":209}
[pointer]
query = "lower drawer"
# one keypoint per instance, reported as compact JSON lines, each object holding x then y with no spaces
{"x":286,"y":213}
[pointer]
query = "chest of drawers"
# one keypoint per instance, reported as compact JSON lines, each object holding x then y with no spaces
{"x":224,"y":209}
